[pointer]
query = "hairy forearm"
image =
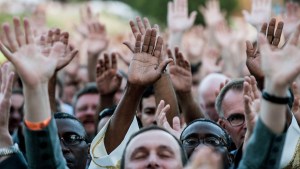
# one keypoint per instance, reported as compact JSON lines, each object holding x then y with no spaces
{"x":190,"y":108}
{"x":165,"y":91}
{"x":122,"y":117}
{"x":37,"y":105}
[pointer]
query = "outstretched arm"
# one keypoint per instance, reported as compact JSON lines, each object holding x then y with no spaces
{"x":181,"y":76}
{"x":145,"y":69}
{"x":35,"y":78}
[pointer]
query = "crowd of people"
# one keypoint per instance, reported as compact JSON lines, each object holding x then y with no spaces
{"x":192,"y":97}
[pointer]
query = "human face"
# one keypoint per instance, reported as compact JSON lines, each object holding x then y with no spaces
{"x":75,"y":155}
{"x":148,"y":111}
{"x":202,"y":130}
{"x":16,"y":112}
{"x":153,"y":149}
{"x":207,"y":103}
{"x":233,"y":105}
{"x":85,"y":110}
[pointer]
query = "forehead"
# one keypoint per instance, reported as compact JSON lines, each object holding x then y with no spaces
{"x":88,"y":98}
{"x":149,"y":102}
{"x":69,"y":125}
{"x":202,"y":128}
{"x":153,"y":139}
{"x":233,"y":103}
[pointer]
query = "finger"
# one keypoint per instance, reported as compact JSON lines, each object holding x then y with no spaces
{"x":162,"y":66}
{"x":152,"y":42}
{"x":3,"y":77}
{"x":192,"y":17}
{"x":68,"y":58}
{"x":129,"y":46}
{"x":28,"y":32}
{"x":13,"y":45}
{"x":140,"y":25}
{"x":114,"y":61}
{"x":18,"y":32}
{"x":187,"y":65}
{"x":247,"y":105}
{"x":56,"y":36}
{"x":9,"y":85}
{"x":147,"y":23}
{"x":159,"y":108}
{"x":176,"y":123}
{"x":254,"y":87}
{"x":7,"y":53}
{"x":271,"y":29}
{"x":249,"y":49}
{"x":278,"y":33}
{"x":64,"y":38}
{"x":156,"y":27}
{"x":170,"y":56}
{"x":50,"y":37}
{"x":158,"y":47}
{"x":295,"y":36}
{"x":133,"y":28}
{"x":98,"y":70}
{"x":263,"y":29}
{"x":138,"y":42}
{"x":102,"y":67}
{"x":146,"y":41}
{"x":106,"y":61}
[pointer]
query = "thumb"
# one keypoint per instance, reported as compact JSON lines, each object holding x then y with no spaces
{"x":130,"y":46}
{"x":176,"y":123}
{"x":162,"y":66}
{"x":192,"y":18}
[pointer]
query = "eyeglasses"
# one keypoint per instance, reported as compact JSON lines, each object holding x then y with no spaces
{"x":236,"y":120}
{"x":72,"y":139}
{"x":211,"y":141}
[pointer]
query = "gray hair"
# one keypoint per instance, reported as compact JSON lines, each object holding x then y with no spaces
{"x":236,"y":85}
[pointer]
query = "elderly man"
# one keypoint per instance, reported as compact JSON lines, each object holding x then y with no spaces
{"x":207,"y":96}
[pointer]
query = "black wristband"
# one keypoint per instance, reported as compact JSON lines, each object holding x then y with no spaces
{"x":275,"y":99}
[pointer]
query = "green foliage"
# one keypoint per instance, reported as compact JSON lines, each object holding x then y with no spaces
{"x":157,"y":9}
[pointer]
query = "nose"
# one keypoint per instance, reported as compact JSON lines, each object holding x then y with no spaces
{"x":64,"y":148}
{"x":152,"y":161}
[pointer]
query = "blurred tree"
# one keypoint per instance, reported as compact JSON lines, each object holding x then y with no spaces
{"x":157,"y":9}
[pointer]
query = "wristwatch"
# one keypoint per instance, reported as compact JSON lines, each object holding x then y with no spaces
{"x":9,"y":150}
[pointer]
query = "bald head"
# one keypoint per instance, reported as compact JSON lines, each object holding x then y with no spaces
{"x":206,"y":93}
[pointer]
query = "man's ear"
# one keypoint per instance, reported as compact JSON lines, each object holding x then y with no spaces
{"x":222,"y":123}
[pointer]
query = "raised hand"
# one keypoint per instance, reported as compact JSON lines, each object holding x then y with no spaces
{"x":5,"y":95}
{"x":281,"y":66}
{"x":141,"y":28}
{"x":212,"y":13}
{"x":54,"y":36}
{"x":291,"y":18}
{"x":253,"y":60}
{"x":162,"y":121}
{"x":178,"y":18}
{"x":180,"y":72}
{"x":107,"y":78}
{"x":86,"y":17}
{"x":29,"y":60}
{"x":146,"y":65}
{"x":96,"y":38}
{"x":251,"y":105}
{"x":260,"y":13}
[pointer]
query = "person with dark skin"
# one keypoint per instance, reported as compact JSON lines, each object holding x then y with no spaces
{"x":206,"y":132}
{"x":72,"y":140}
